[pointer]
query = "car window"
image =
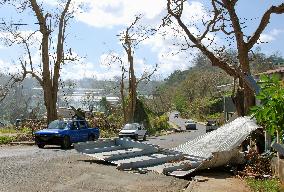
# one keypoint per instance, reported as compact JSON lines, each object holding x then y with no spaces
{"x":82,"y":124}
{"x":211,"y":122}
{"x":189,"y":121}
{"x":57,"y":124}
{"x":129,"y":127}
{"x":73,"y":125}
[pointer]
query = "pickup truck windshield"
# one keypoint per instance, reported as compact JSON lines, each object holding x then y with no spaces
{"x":57,"y":124}
{"x":129,"y":127}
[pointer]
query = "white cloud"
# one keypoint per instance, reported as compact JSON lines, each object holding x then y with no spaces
{"x":9,"y":68}
{"x":35,"y":36}
{"x":109,"y":13}
{"x":171,"y":39}
{"x":266,"y":38}
{"x":88,"y":69}
{"x":270,"y":36}
{"x":104,"y":69}
{"x":194,"y":12}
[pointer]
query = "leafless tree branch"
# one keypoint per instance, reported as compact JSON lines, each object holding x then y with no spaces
{"x":263,"y":23}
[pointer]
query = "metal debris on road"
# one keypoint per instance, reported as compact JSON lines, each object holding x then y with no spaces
{"x":213,"y":149}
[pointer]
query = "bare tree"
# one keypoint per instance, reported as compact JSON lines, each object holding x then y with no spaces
{"x":225,"y":20}
{"x":50,"y":25}
{"x":111,"y":59}
{"x":130,"y":39}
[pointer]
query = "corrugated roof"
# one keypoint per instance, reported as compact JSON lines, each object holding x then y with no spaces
{"x":213,"y":149}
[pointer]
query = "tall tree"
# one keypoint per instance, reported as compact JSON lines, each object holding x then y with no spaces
{"x":225,"y":20}
{"x":130,"y":39}
{"x":50,"y":25}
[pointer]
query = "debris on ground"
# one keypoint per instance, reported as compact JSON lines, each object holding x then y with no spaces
{"x":216,"y":148}
{"x":257,"y":166}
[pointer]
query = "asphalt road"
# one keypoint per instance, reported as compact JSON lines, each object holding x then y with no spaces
{"x":28,"y":168}
{"x":173,"y":140}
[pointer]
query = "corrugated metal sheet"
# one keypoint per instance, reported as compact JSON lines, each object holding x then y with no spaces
{"x":224,"y":138}
{"x":213,"y":149}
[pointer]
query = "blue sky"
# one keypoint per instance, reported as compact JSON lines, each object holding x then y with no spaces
{"x":92,"y":35}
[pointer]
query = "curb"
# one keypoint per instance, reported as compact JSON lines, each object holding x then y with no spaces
{"x":22,"y":143}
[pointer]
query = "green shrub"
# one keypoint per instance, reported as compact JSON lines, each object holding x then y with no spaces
{"x":270,"y":113}
{"x":158,"y":123}
{"x":6,"y":139}
{"x":107,"y":134}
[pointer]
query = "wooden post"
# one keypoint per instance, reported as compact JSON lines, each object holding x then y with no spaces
{"x":267,"y":137}
{"x":278,"y":155}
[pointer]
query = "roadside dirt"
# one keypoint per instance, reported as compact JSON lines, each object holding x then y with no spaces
{"x":218,"y":182}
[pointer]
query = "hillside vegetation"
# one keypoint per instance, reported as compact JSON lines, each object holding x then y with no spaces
{"x":196,"y":92}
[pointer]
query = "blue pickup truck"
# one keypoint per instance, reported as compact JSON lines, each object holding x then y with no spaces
{"x":66,"y":132}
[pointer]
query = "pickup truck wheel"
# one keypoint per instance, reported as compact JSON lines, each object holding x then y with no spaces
{"x":65,"y":142}
{"x":91,"y":138}
{"x":136,"y":137}
{"x":40,"y":145}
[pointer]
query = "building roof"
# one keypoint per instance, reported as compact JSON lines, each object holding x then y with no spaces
{"x":272,"y":71}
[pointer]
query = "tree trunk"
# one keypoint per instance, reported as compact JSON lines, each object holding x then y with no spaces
{"x":249,"y":97}
{"x":50,"y":100}
{"x":123,"y":97}
{"x":51,"y":109}
{"x":132,"y":90}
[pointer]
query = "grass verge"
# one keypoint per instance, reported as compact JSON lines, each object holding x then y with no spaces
{"x":263,"y":185}
{"x":6,"y":139}
{"x":8,"y":130}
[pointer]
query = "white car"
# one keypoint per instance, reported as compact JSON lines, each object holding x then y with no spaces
{"x":190,"y":124}
{"x":133,"y":130}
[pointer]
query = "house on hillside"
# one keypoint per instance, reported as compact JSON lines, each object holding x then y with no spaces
{"x":229,"y":107}
{"x":279,"y":71}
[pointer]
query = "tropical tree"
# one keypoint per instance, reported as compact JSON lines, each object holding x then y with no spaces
{"x":270,"y":112}
{"x":224,"y":19}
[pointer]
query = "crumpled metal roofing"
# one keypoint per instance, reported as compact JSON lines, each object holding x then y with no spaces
{"x":225,"y":138}
{"x":213,"y":149}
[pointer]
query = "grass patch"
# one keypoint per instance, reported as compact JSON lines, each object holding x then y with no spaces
{"x":8,"y":130}
{"x":12,"y":130}
{"x":6,"y":139}
{"x":25,"y":130}
{"x":263,"y":185}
